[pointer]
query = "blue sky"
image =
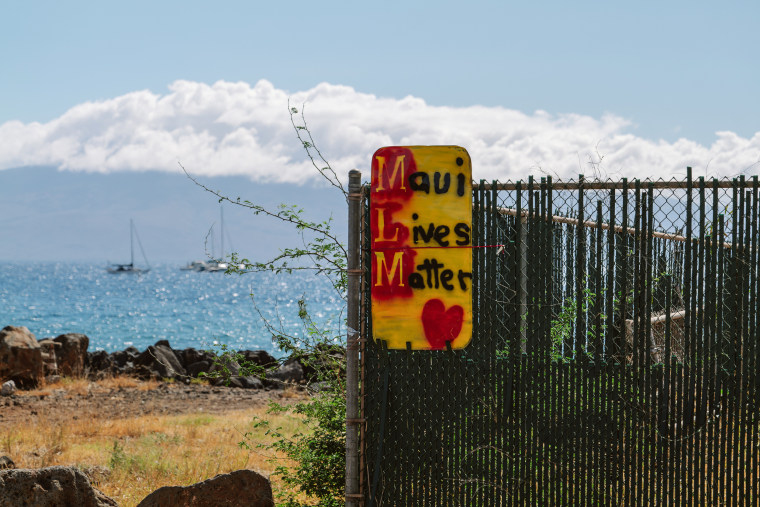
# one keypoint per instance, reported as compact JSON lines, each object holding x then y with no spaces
{"x":673,"y":69}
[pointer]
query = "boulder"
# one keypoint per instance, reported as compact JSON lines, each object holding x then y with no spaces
{"x":251,"y":382}
{"x":122,"y":357}
{"x":326,"y":358}
{"x":20,"y":356}
{"x":291,"y":371}
{"x":225,"y":367}
{"x":239,"y":381}
{"x":72,"y":354}
{"x":6,"y":463}
{"x":99,"y":363}
{"x":160,"y":361}
{"x":259,"y":358}
{"x":47,"y":347}
{"x":102,"y":364}
{"x":191,"y":356}
{"x":242,"y":488}
{"x":8,"y":388}
{"x":96,"y":474}
{"x":124,"y":361}
{"x":194,"y":369}
{"x":50,"y":487}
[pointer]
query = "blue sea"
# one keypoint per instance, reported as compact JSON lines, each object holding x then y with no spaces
{"x":188,"y":308}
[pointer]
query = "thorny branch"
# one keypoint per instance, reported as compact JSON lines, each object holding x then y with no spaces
{"x":326,"y":171}
{"x":287,"y":214}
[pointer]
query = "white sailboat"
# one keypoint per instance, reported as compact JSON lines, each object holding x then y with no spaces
{"x":213,"y":265}
{"x":131,"y":268}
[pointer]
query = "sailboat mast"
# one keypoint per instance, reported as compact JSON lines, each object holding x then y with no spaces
{"x":213,"y":242}
{"x":131,"y":243}
{"x":221,"y":210}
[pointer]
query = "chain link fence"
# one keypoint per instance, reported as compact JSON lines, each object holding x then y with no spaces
{"x":615,"y":357}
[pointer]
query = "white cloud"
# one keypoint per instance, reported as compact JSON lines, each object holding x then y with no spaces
{"x":235,"y":128}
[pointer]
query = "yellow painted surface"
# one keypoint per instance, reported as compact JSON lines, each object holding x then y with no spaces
{"x":421,"y":218}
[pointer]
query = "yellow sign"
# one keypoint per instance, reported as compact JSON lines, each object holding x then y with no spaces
{"x":421,"y":226}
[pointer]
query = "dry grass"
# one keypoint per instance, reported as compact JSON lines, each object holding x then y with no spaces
{"x":82,"y":386}
{"x":129,"y":458}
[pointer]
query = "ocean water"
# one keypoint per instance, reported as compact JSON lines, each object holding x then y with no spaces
{"x":190,"y":309}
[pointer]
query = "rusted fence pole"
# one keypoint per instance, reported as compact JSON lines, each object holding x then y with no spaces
{"x":353,"y":495}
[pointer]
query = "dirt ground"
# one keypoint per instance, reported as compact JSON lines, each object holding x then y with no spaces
{"x":135,"y":398}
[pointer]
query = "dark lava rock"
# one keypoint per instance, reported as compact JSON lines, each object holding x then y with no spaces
{"x":242,"y":488}
{"x":50,"y":487}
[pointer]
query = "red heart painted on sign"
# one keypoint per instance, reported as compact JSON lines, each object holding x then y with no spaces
{"x":441,"y":325}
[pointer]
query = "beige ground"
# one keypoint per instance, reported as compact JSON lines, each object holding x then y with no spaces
{"x":124,"y":398}
{"x":133,"y":437}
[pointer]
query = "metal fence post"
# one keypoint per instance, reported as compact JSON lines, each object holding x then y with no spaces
{"x":522,"y":239}
{"x":352,"y":340}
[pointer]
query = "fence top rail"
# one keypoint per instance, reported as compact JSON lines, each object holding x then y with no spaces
{"x":593,"y":224}
{"x":619,"y":184}
{"x":739,"y":182}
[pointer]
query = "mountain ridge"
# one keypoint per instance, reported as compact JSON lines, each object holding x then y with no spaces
{"x":53,"y":215}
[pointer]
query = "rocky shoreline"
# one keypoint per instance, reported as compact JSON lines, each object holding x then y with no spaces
{"x":123,"y":385}
{"x":26,"y":362}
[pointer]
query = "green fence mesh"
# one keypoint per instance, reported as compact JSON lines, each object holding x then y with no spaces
{"x":615,"y":358}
